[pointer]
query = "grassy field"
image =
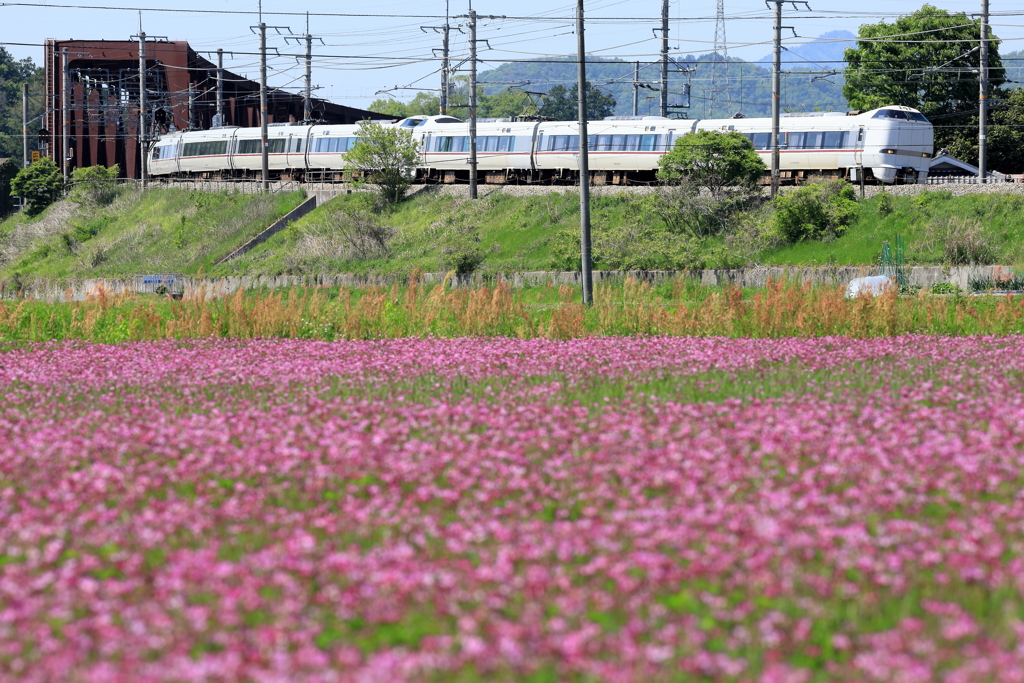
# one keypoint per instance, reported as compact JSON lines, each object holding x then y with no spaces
{"x":165,"y":230}
{"x":680,"y":308}
{"x":169,"y":230}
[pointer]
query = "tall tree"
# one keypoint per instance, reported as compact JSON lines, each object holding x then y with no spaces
{"x":1005,"y":136}
{"x":561,"y":103}
{"x":12,"y":74}
{"x":387,"y":155}
{"x":927,"y":60}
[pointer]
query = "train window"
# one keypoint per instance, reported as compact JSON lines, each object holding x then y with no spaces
{"x":796,"y":140}
{"x":783,"y":137}
{"x":892,"y":114}
{"x":917,"y":116}
{"x":603,"y":144}
{"x":618,"y":143}
{"x":761,"y":140}
{"x":505,"y":143}
{"x":812,"y":140}
{"x":296,"y":145}
{"x":633,"y":143}
{"x":566,"y":143}
{"x":248,"y":147}
{"x":204,"y":149}
{"x":648,"y":143}
{"x":834,"y":139}
{"x":449,"y":143}
{"x":277,"y":146}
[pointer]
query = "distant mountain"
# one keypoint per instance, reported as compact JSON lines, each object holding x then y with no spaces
{"x":742,"y":86}
{"x":825,"y":52}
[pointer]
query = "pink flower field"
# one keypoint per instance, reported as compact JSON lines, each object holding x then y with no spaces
{"x":611,"y":509}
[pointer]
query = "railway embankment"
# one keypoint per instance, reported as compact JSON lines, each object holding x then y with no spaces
{"x":525,"y":234}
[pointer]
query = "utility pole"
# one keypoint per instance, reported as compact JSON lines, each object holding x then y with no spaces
{"x":66,"y":115}
{"x":472,"y":104}
{"x":307,"y":93}
{"x":307,"y":107}
{"x":220,"y":87}
{"x":24,"y":124}
{"x":445,"y":67}
{"x":143,"y":105}
{"x":664,"y":57}
{"x":777,"y":84}
{"x":776,"y":93}
{"x":264,"y":135}
{"x":586,"y":262}
{"x":445,"y":32}
{"x":983,"y":98}
{"x":191,"y":105}
{"x":636,"y":88}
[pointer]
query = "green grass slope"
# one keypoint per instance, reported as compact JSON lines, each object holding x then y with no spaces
{"x":933,"y":225}
{"x":161,"y":230}
{"x":185,"y":231}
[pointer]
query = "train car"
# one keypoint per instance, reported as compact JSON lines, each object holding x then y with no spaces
{"x":888,"y":145}
{"x":504,"y":149}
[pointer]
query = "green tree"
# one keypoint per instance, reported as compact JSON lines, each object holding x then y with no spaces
{"x":12,"y":74}
{"x":387,"y":155}
{"x":424,"y":104}
{"x":1005,"y":136}
{"x":561,"y":103}
{"x":709,"y":177}
{"x":929,"y":64}
{"x":712,"y":160}
{"x":8,"y":170}
{"x":505,"y":104}
{"x":39,"y":185}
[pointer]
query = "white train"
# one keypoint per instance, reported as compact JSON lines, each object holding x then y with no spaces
{"x":891,"y":144}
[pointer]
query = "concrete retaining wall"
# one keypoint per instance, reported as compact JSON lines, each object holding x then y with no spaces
{"x":77,"y":290}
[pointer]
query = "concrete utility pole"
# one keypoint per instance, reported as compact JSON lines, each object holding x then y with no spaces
{"x":586,"y":260}
{"x":445,"y":32}
{"x":777,"y":85}
{"x":636,"y":88}
{"x":264,"y":135}
{"x":307,"y":93}
{"x":472,"y":105}
{"x":983,"y":98}
{"x":66,"y":116}
{"x":191,"y":106}
{"x":445,"y":66}
{"x":220,"y":86}
{"x":776,"y":94}
{"x":664,"y":57}
{"x":24,"y":125}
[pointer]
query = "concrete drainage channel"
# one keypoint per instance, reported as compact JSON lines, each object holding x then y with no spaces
{"x":279,"y":225}
{"x":188,"y":286}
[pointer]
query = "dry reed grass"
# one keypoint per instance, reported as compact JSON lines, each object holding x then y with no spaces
{"x":782,"y":309}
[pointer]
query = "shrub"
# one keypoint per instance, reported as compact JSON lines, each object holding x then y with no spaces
{"x":944,"y":288}
{"x":39,"y":185}
{"x":815,"y":211}
{"x":387,"y":156}
{"x":957,"y":241}
{"x":885,"y":204}
{"x":95,"y":185}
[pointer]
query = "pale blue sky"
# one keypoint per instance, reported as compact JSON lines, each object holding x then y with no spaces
{"x":624,"y":34}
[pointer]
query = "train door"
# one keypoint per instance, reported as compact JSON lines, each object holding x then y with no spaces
{"x":858,"y":153}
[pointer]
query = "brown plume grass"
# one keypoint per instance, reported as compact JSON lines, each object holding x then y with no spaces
{"x":782,"y":309}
